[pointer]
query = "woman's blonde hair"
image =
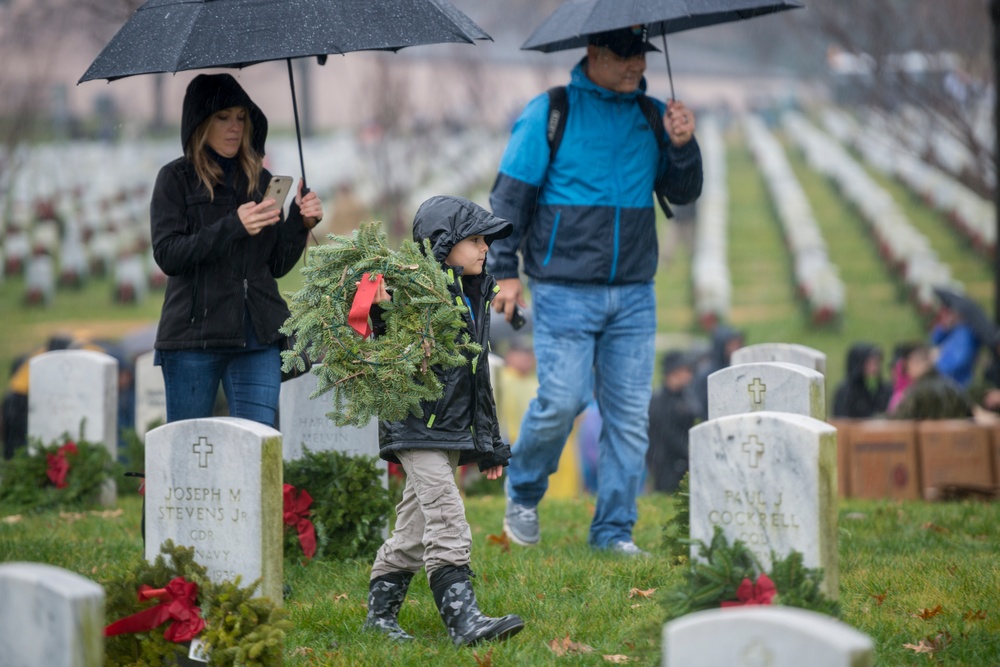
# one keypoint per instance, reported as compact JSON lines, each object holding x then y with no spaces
{"x":208,"y":170}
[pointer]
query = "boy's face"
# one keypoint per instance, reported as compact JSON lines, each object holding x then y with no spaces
{"x":470,"y":254}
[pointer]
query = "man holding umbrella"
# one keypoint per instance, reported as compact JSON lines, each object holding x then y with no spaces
{"x":585,"y":225}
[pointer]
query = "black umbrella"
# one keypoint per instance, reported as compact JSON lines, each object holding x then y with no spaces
{"x":179,"y":35}
{"x":573,"y":22}
{"x":972,"y":314}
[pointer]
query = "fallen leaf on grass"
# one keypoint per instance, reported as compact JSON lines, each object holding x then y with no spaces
{"x":648,"y":593}
{"x":566,"y":646}
{"x":879,"y":599}
{"x":936,"y":528}
{"x":502,"y":540}
{"x":540,"y":596}
{"x":635,"y":606}
{"x":922,"y":647}
{"x":484,"y":661}
{"x":302,"y":650}
{"x":930,"y":644}
{"x":927,"y":614}
{"x":977,"y":615}
{"x":952,"y":569}
{"x":13,"y":518}
{"x":72,"y":517}
{"x":618,"y":658}
{"x":339,"y":597}
{"x":107,"y":514}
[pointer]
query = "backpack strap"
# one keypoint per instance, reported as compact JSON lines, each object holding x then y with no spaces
{"x":556,"y":127}
{"x":558,"y":108}
{"x":655,"y":120}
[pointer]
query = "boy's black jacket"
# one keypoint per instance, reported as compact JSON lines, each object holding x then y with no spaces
{"x":465,"y":417}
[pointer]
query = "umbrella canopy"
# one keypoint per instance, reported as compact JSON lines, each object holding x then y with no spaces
{"x":972,"y":314}
{"x":571,"y":25}
{"x":179,"y":35}
{"x":573,"y":22}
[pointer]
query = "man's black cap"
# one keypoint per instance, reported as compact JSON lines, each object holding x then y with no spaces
{"x":624,"y":42}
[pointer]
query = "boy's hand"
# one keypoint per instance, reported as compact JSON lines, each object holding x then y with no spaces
{"x":381,"y":294}
{"x":494,"y":473}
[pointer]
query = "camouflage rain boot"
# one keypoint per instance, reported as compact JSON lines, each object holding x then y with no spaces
{"x":385,"y":597}
{"x":456,"y":602}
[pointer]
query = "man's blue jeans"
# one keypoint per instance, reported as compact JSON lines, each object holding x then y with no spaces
{"x":590,"y":341}
{"x":250,"y":380}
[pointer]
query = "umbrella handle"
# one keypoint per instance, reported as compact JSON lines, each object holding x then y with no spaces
{"x":666,"y":54}
{"x":298,"y":132}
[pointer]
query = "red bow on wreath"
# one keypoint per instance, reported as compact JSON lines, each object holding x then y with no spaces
{"x":753,"y":594}
{"x":177,"y":604}
{"x":297,"y":514}
{"x":58,"y":466}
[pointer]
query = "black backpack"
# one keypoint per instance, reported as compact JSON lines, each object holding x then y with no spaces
{"x":559,"y":107}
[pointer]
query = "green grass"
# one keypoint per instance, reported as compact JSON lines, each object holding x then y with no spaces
{"x":896,"y":560}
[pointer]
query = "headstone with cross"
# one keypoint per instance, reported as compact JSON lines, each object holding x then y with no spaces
{"x":775,"y":386}
{"x":768,"y":479}
{"x":49,"y":617}
{"x":786,"y":352}
{"x":216,"y":485}
{"x":757,"y":636}
{"x":74,"y":389}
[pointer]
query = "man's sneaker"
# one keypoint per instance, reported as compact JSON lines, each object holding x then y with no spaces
{"x":520,"y":523}
{"x":628,"y":548}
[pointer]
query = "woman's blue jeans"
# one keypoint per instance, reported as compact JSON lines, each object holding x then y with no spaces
{"x":590,"y":341}
{"x":251,"y":381}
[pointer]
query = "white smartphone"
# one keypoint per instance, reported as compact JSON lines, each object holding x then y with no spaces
{"x":278,"y":190}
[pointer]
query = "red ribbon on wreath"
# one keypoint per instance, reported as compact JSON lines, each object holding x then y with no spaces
{"x":362,"y":304}
{"x":58,"y":465}
{"x":177,"y":605}
{"x":748,"y":593}
{"x":296,"y":514}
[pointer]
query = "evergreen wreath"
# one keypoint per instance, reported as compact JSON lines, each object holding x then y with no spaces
{"x":725,"y":574}
{"x":385,"y":377}
{"x":239,"y":628}
{"x":350,"y":506}
{"x":26,"y":484}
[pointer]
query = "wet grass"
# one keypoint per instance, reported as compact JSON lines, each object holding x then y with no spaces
{"x":899,"y":562}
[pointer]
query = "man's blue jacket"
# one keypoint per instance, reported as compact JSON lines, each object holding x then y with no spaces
{"x":588,"y":216}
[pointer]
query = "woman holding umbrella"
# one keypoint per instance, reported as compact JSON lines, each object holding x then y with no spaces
{"x":222,"y":249}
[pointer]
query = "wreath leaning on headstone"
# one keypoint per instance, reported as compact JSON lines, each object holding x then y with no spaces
{"x":155,"y":609}
{"x":727,"y":575}
{"x":64,"y":474}
{"x":385,"y":377}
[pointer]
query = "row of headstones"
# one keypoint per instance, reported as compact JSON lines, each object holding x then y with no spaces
{"x":763,"y":468}
{"x":906,"y":250}
{"x":816,"y":277}
{"x":73,"y":387}
{"x":710,"y":266}
{"x":212,"y":484}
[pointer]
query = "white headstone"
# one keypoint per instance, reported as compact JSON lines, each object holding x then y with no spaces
{"x":774,"y":386}
{"x":768,"y":479}
{"x":150,"y":394}
{"x":215,"y":484}
{"x":787,"y":352}
{"x":303,"y":422}
{"x":772,"y":636}
{"x":40,"y":278}
{"x":49,"y":617}
{"x":70,"y":388}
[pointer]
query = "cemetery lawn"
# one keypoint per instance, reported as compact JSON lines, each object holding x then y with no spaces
{"x":921,"y":579}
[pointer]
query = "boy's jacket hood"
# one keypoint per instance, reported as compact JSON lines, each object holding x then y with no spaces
{"x":446,"y":220}
{"x":208,"y":93}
